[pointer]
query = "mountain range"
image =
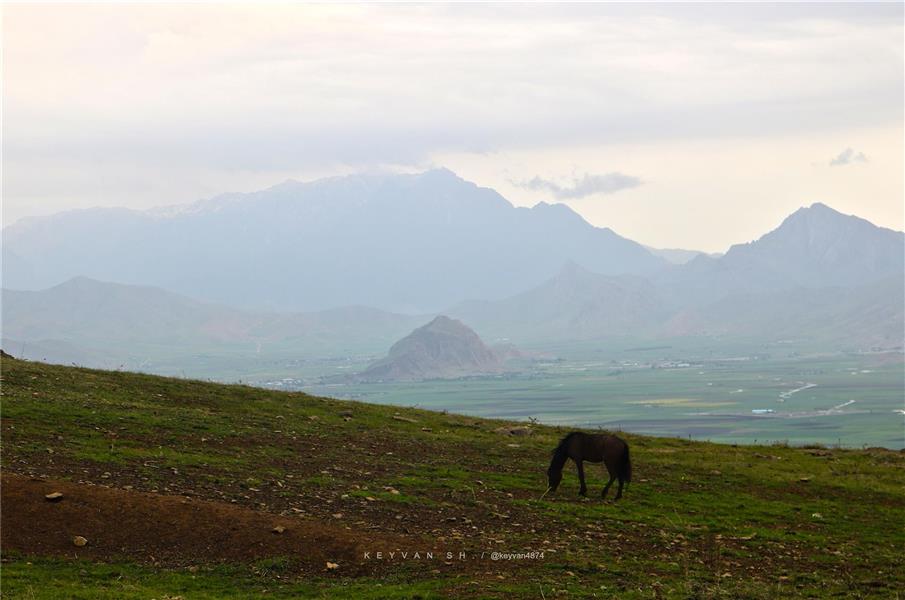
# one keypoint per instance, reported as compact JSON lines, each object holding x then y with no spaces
{"x":232,"y":274}
{"x":403,"y":243}
{"x":820,"y":275}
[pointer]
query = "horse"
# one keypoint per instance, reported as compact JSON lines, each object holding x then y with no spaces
{"x":580,"y":447}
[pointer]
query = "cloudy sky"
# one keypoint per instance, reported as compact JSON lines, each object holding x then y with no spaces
{"x":693,"y":126}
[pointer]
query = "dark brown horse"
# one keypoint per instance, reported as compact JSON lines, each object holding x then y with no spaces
{"x":580,"y":447}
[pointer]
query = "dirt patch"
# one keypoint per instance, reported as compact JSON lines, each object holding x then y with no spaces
{"x":172,"y":530}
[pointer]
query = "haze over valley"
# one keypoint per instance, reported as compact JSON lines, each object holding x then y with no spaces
{"x":323,"y":279}
{"x":467,"y":300}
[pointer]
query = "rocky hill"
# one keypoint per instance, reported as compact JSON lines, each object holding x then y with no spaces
{"x":444,"y":348}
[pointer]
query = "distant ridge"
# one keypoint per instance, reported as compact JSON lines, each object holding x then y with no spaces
{"x":403,"y":243}
{"x":574,"y":304}
{"x":678,"y":256}
{"x":131,"y":323}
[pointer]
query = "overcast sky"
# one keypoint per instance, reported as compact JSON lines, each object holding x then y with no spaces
{"x":693,"y":126}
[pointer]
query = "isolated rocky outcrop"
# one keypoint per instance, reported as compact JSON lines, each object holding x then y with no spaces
{"x":443,"y":349}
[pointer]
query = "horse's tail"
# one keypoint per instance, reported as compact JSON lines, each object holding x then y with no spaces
{"x":625,"y":466}
{"x":561,"y":452}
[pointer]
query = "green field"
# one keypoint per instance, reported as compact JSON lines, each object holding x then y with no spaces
{"x":698,"y":521}
{"x":847,"y":399}
{"x":850,"y":399}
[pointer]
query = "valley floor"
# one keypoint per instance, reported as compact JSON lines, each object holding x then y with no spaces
{"x":185,"y":489}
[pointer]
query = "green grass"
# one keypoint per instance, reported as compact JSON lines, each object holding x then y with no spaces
{"x":700,"y":520}
{"x":49,"y":579}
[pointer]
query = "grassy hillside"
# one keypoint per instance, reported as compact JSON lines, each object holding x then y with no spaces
{"x":178,"y":484}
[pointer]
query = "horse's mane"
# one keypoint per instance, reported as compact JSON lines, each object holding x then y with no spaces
{"x":561,"y":452}
{"x":561,"y":447}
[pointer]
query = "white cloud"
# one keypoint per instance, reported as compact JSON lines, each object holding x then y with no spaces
{"x":588,"y":185}
{"x":136,"y":104}
{"x":847,"y":157}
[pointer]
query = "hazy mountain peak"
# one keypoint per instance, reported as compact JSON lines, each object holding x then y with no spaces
{"x":821,"y":216}
{"x":816,"y":246}
{"x":820,"y":206}
{"x":82,"y":285}
{"x":441,"y":173}
{"x":444,"y":325}
{"x":817,"y":212}
{"x":440,"y":327}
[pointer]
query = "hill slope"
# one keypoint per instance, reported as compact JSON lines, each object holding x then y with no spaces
{"x":344,"y":478}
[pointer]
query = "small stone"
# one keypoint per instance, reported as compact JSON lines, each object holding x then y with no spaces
{"x":337,"y":515}
{"x":54,"y":496}
{"x":79,"y":541}
{"x":332,"y":566}
{"x":278,"y":529}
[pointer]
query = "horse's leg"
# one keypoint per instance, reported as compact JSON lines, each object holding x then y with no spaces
{"x":619,"y":491}
{"x":612,"y":473}
{"x":606,"y":488}
{"x":584,"y":489}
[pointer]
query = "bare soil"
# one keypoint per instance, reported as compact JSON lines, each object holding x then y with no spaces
{"x":170,"y":530}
